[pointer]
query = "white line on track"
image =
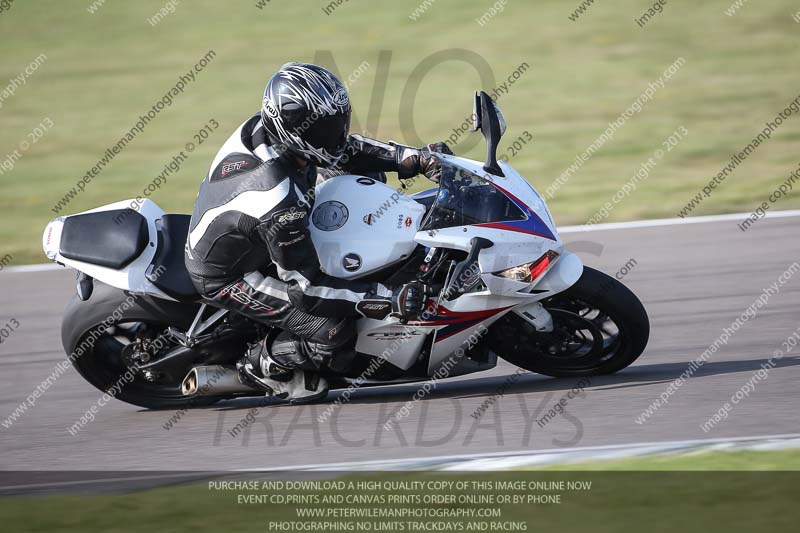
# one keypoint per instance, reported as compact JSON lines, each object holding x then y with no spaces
{"x":42,"y":267}
{"x":586,"y":452}
{"x":56,"y":484}
{"x":656,"y":222}
{"x":450,"y":462}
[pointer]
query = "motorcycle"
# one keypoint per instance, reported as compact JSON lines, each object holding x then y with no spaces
{"x":484,"y":238}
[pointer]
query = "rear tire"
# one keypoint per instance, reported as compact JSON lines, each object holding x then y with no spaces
{"x":101,"y":362}
{"x":600,"y":327}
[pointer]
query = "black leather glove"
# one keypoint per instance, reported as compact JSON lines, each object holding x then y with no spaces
{"x":413,"y":161}
{"x":408,"y":301}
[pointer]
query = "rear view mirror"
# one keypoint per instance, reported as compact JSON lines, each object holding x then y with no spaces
{"x":486,"y":116}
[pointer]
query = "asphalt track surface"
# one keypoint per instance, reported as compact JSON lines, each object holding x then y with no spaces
{"x":694,"y":279}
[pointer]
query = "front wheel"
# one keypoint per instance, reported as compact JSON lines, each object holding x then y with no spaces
{"x":599,"y":327}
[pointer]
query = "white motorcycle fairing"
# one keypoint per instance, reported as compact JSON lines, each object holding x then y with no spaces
{"x":516,"y":242}
{"x":497,"y":280}
{"x":358,"y":218}
{"x":136,"y":276}
{"x":360,"y":225}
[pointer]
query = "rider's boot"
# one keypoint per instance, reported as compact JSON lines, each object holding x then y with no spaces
{"x":286,"y":379}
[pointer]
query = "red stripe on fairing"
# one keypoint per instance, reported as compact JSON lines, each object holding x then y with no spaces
{"x":507,"y":227}
{"x":516,"y":225}
{"x":457,"y":321}
{"x":454,"y":329}
{"x":445,"y":316}
{"x":510,"y":195}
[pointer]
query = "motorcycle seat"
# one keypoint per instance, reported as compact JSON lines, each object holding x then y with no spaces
{"x":111,"y":239}
{"x":174,"y":279}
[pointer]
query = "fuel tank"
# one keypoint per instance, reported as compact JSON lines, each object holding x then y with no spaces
{"x":360,"y":225}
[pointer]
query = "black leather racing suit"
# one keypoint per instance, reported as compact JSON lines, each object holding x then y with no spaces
{"x":249,"y":248}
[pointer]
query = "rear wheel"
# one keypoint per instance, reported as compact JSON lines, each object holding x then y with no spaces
{"x":110,"y":365}
{"x":107,"y":357}
{"x":599,"y":327}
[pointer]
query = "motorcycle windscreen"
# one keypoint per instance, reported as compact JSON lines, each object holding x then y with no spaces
{"x":465,"y":198}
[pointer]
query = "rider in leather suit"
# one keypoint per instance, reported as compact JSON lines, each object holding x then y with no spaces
{"x":249,"y":248}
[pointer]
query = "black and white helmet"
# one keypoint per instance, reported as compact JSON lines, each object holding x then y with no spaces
{"x":306,"y":109}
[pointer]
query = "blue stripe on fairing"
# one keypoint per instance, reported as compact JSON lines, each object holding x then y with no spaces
{"x":533,"y":224}
{"x":453,"y":329}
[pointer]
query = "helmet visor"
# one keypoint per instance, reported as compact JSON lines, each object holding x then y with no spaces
{"x":326,"y":132}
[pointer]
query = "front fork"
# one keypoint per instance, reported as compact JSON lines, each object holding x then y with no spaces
{"x":536,"y":315}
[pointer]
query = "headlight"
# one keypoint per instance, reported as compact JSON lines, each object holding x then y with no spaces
{"x":529,"y":272}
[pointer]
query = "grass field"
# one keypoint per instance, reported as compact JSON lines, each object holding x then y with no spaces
{"x":105,"y":69}
{"x":750,"y":499}
{"x":741,"y":461}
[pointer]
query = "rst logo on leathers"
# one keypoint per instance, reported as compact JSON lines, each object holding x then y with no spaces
{"x":227,"y":168}
{"x":286,"y":217}
{"x":236,"y":293}
{"x":375,"y":309}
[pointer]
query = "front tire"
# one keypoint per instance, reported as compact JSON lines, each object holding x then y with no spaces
{"x":600,"y":327}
